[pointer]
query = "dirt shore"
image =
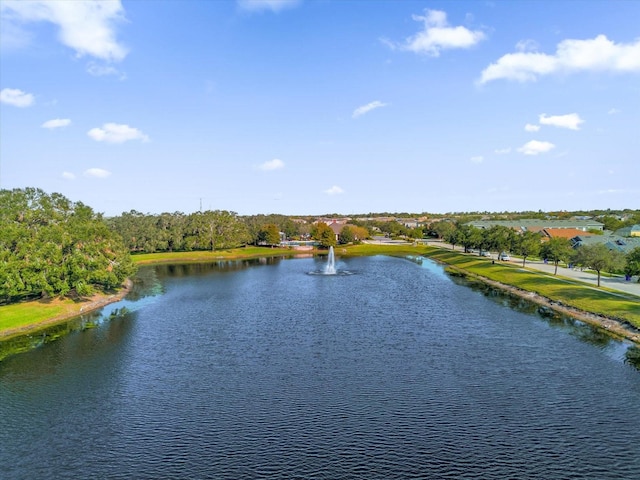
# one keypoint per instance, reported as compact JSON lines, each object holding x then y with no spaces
{"x":90,"y":304}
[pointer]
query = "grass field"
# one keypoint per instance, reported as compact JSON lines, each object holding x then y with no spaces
{"x":208,"y":256}
{"x":21,"y":314}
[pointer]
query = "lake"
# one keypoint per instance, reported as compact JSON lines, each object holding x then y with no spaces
{"x":257,"y":369}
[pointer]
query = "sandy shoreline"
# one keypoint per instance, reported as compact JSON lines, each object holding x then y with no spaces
{"x":95,"y":302}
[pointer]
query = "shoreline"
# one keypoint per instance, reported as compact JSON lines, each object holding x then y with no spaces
{"x":617,"y":328}
{"x":614,"y":327}
{"x":93,"y":303}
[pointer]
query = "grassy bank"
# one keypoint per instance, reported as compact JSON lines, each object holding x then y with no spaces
{"x":209,"y":256}
{"x":600,"y":301}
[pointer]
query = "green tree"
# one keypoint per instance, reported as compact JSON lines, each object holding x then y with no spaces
{"x":50,"y":246}
{"x":442,"y":229}
{"x":632,"y":263}
{"x":598,"y":257}
{"x":346,"y":235}
{"x":528,"y":244}
{"x":453,"y":236}
{"x":269,"y":234}
{"x":500,"y":238}
{"x":217,"y":229}
{"x":556,"y":250}
{"x":323,"y":234}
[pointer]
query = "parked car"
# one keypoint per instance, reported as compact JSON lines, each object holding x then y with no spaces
{"x":504,"y":256}
{"x":484,"y":253}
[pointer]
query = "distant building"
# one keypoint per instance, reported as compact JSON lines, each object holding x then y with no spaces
{"x":612,"y":242}
{"x":337,"y":227}
{"x":567,"y":233}
{"x":632,"y":231}
{"x":537,"y":225}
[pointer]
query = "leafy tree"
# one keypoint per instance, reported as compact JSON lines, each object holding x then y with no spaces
{"x":611,"y":223}
{"x":528,"y":244}
{"x":442,"y":229}
{"x":269,"y":234}
{"x":556,"y":250}
{"x":50,"y":246}
{"x":453,"y":237}
{"x":599,"y":258}
{"x":500,"y":238}
{"x":218,"y":229}
{"x":632,"y":266}
{"x":346,"y":235}
{"x":323,"y":234}
{"x":468,"y":236}
{"x":353,"y":234}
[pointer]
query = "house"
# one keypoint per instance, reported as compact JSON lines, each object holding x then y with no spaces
{"x":612,"y":242}
{"x":337,"y":228}
{"x":567,"y":233}
{"x":536,"y":224}
{"x":410,"y":222}
{"x":632,"y":231}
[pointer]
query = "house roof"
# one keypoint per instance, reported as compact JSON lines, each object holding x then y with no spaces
{"x":531,"y":224}
{"x":336,"y":227}
{"x":633,"y":230}
{"x":564,"y":233}
{"x":612,"y":242}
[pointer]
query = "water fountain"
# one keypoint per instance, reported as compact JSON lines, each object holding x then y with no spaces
{"x":330,"y":269}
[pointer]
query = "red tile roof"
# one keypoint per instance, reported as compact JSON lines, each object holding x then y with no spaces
{"x":565,"y":232}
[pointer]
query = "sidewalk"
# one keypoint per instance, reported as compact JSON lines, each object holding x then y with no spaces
{"x":615,"y":283}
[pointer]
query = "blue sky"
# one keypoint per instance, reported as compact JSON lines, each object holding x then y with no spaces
{"x":312,"y":107}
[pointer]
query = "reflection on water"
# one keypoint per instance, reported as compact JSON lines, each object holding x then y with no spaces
{"x":588,"y":333}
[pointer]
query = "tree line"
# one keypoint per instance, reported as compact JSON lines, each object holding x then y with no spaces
{"x":500,"y":239}
{"x":50,"y":246}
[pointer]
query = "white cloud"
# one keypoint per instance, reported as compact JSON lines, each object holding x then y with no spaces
{"x":56,"y":123}
{"x":15,"y":97}
{"x":438,"y":35}
{"x":262,"y":5}
{"x":531,"y":128}
{"x":116,"y":133}
{"x":88,"y":27}
{"x":335,"y":190}
{"x":598,"y":54}
{"x":97,"y":173}
{"x":477,"y":159}
{"x":613,"y":111}
{"x":98,"y":70}
{"x":571,"y":121}
{"x":535,"y":147}
{"x":527,"y":46}
{"x":68,"y":176}
{"x":367,"y":108}
{"x":274,"y":164}
{"x":502,"y":151}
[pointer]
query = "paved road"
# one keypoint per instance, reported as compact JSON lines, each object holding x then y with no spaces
{"x":615,"y":283}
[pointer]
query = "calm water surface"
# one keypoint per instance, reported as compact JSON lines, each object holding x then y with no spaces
{"x":264,"y":371}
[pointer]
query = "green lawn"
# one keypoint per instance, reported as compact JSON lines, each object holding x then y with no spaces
{"x":209,"y":256}
{"x":22,"y":314}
